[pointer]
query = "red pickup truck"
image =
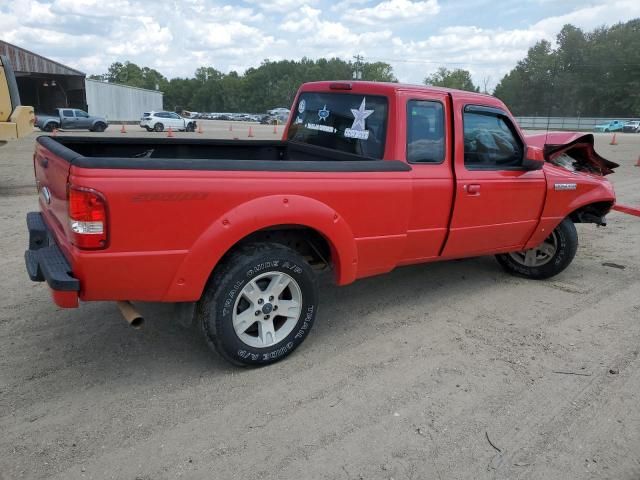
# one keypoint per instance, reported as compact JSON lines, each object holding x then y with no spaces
{"x":367,"y":177}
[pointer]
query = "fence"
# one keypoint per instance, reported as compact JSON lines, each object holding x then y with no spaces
{"x":564,"y":123}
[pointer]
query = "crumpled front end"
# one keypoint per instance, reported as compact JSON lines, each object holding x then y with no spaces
{"x":573,"y":151}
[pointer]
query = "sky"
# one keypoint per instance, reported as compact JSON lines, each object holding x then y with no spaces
{"x":416,"y":37}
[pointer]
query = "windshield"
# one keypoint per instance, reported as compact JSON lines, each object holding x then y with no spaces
{"x":349,"y":123}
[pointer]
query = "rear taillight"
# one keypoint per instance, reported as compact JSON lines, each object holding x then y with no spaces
{"x":87,"y":218}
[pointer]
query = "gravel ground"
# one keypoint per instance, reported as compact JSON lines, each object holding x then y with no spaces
{"x":405,"y":376}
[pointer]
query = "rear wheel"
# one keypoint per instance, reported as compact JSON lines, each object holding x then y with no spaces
{"x":158,"y":127}
{"x":50,"y":127}
{"x":547,"y":259}
{"x":259,"y":305}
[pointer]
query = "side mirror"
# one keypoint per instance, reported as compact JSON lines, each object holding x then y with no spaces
{"x":534,"y":159}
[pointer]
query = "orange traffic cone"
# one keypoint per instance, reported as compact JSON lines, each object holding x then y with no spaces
{"x":231,"y":127}
{"x":613,"y":140}
{"x":638,"y":162}
{"x":250,"y":132}
{"x":199,"y":128}
{"x":170,"y":133}
{"x":275,"y":128}
{"x":54,"y":132}
{"x":122,"y":129}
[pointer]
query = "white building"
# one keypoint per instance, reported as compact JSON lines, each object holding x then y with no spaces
{"x":120,"y":103}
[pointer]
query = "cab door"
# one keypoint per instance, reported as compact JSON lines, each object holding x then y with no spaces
{"x":67,"y":118}
{"x":427,"y":148}
{"x":497,"y":201}
{"x":82,"y":119}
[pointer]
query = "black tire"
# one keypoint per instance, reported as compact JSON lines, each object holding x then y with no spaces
{"x":99,"y":127}
{"x":190,"y":127}
{"x":158,"y":127}
{"x":51,"y":126}
{"x":566,"y":238}
{"x":221,"y":299}
{"x":149,"y":129}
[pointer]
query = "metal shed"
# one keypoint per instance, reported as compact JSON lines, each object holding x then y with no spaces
{"x":44,"y":83}
{"x":120,"y":103}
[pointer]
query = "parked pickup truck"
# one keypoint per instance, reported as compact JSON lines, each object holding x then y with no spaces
{"x":368,"y":177}
{"x":71,"y":118}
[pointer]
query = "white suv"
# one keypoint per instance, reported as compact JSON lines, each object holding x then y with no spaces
{"x":159,"y":121}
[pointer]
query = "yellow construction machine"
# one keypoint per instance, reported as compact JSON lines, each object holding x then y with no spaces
{"x":15,"y":120}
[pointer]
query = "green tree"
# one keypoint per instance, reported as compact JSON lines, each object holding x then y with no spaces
{"x":271,"y":84}
{"x":378,"y":72}
{"x":533,"y":75}
{"x":593,"y":73}
{"x":458,"y":78}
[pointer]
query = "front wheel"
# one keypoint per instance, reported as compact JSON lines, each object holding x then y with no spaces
{"x":547,"y":259}
{"x":259,"y":305}
{"x":190,"y":127}
{"x":99,"y":127}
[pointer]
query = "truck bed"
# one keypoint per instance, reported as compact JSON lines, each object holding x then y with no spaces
{"x":196,"y":154}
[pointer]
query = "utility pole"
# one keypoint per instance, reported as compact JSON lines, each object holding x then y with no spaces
{"x":485,"y":81}
{"x":357,"y":67}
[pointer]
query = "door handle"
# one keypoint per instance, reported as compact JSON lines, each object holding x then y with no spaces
{"x":473,"y":189}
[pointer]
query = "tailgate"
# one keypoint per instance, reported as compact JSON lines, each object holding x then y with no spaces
{"x":51,"y":169}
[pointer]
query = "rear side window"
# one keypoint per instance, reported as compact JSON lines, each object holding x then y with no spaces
{"x":346,"y":122}
{"x":490,"y":142}
{"x":425,"y":132}
{"x":67,"y":113}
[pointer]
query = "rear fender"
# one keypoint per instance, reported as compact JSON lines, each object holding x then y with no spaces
{"x":255,"y":215}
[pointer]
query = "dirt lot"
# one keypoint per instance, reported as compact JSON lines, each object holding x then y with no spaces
{"x":405,"y":376}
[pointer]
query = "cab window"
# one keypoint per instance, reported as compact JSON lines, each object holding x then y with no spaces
{"x":490,"y":140}
{"x":80,"y":113}
{"x":425,"y":132}
{"x":346,"y":122}
{"x":67,"y":113}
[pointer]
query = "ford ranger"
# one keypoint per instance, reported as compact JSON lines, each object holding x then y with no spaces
{"x":367,"y":177}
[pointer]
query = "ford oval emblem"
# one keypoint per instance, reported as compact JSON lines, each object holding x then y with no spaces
{"x":46,"y":195}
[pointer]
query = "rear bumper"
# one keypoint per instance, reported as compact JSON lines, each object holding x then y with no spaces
{"x":45,"y":262}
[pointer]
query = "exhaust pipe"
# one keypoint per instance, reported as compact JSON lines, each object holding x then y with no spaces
{"x":130,"y":314}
